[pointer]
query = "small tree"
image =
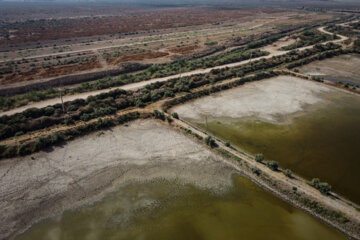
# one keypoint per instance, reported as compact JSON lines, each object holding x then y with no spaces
{"x":210,"y":142}
{"x":324,"y":187}
{"x":273,"y":165}
{"x":259,"y":157}
{"x":175,"y":115}
{"x":315,"y":182}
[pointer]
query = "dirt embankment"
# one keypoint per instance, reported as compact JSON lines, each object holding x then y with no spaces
{"x":24,"y":87}
{"x":40,"y":73}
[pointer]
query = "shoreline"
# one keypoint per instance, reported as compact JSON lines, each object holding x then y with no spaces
{"x":266,"y":182}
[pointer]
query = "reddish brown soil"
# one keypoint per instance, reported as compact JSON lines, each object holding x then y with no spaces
{"x":39,"y":73}
{"x":138,"y":57}
{"x":36,"y":30}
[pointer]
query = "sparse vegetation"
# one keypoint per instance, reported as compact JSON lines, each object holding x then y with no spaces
{"x":259,"y":157}
{"x":273,"y":165}
{"x":323,"y":187}
{"x":210,"y":142}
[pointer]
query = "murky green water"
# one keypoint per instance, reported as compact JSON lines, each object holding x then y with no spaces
{"x":323,"y":142}
{"x":170,"y":210}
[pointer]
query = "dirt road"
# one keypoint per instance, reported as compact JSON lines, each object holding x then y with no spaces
{"x":273,"y":49}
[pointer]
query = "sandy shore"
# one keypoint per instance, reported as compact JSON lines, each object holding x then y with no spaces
{"x":267,"y":100}
{"x":47,"y":183}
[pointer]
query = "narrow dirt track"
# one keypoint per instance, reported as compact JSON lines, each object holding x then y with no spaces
{"x":133,"y":86}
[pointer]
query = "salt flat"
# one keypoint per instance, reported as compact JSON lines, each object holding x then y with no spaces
{"x":266,"y":99}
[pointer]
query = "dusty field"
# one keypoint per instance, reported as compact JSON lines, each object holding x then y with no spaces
{"x":160,"y":18}
{"x":345,"y":67}
{"x":267,"y":99}
{"x":46,"y":183}
{"x":187,"y":36}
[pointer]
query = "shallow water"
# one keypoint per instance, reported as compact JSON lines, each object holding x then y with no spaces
{"x":163,"y":209}
{"x":322,"y":142}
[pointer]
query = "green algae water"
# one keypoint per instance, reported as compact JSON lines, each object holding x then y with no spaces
{"x":321,"y":142}
{"x":164,"y":209}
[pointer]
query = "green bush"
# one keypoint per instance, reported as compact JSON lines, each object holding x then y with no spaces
{"x":69,"y":121}
{"x":175,"y":115}
{"x":259,"y":157}
{"x":23,"y":150}
{"x":323,"y":187}
{"x":159,"y":115}
{"x":85,"y":117}
{"x":210,"y":142}
{"x":19,"y":133}
{"x":273,"y":165}
{"x":287,"y":173}
{"x":256,"y":171}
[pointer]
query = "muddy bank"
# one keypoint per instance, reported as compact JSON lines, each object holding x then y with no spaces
{"x":267,"y":100}
{"x":46,"y":183}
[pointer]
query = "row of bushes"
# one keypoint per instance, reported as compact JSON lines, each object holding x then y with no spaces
{"x":155,"y":71}
{"x":56,"y":137}
{"x":107,"y":103}
{"x":320,"y":56}
{"x":309,"y":37}
{"x":273,"y":165}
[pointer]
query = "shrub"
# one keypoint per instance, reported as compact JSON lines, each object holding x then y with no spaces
{"x":48,"y":111}
{"x":23,"y":150}
{"x":169,"y":93}
{"x":85,"y":117}
{"x":72,"y":108}
{"x":273,"y":165}
{"x":175,"y":115}
{"x":58,"y":112}
{"x":323,"y":187}
{"x":159,"y":115}
{"x":55,"y":137}
{"x":210,"y":142}
{"x":19,"y":133}
{"x":40,"y":143}
{"x":287,"y":173}
{"x":255,"y":171}
{"x":139,"y":103}
{"x":169,"y":119}
{"x":9,"y":152}
{"x":259,"y":157}
{"x":69,"y":121}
